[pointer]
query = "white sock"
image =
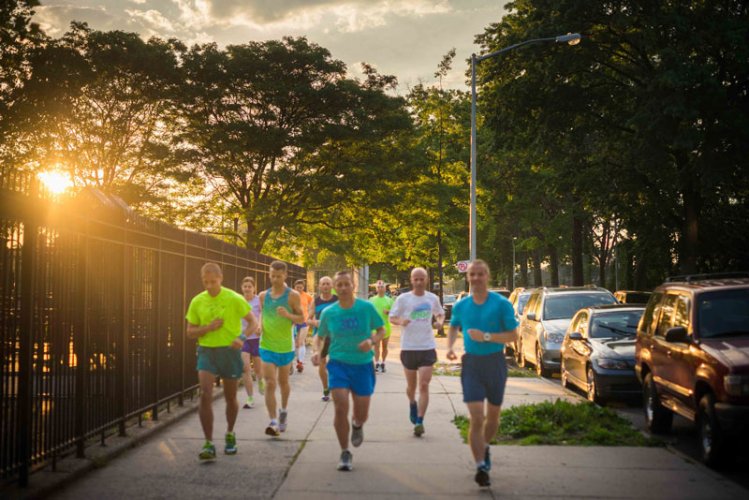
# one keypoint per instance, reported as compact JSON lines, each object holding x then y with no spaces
{"x":273,"y":421}
{"x":301,"y":352}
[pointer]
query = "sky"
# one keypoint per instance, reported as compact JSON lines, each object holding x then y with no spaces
{"x":405,"y":38}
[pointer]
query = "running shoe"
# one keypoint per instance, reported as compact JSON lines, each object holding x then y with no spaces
{"x":482,"y":476}
{"x":357,"y":435}
{"x":250,"y":403}
{"x":261,"y":386}
{"x":418,"y":430}
{"x":230,"y":448}
{"x":382,"y":367}
{"x":413,"y":412}
{"x":347,"y":461}
{"x":208,"y":452}
{"x":488,"y":458}
{"x":272,"y":430}
{"x":325,"y":395}
{"x":377,"y":367}
{"x":282,"y":417}
{"x":299,"y":366}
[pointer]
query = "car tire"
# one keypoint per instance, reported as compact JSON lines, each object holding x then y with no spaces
{"x":541,"y":370}
{"x":591,"y":388}
{"x":658,"y":419}
{"x":519,"y":356}
{"x":711,"y":441}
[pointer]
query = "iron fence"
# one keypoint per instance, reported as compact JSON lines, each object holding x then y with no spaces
{"x":92,"y":329}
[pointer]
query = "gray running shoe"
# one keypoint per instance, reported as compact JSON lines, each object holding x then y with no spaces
{"x":282,"y":417}
{"x":357,"y":435}
{"x":347,"y":461}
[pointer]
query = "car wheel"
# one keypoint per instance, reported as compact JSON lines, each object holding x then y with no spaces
{"x":541,"y":370}
{"x":519,"y":356}
{"x":592,"y":388}
{"x":711,"y":441}
{"x":658,"y":418}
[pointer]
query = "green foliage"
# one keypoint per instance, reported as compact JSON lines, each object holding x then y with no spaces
{"x":563,"y":423}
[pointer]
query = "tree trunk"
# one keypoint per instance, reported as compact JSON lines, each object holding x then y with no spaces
{"x":690,"y":233}
{"x":577,"y":251}
{"x":537,"y":277}
{"x":554,"y":265}
{"x":523,"y":264}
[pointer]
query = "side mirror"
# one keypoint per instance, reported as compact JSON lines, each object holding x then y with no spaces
{"x":576,"y":336}
{"x":531,"y":316}
{"x":677,"y":334}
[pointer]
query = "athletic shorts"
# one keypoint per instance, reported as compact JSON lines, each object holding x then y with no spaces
{"x":298,"y":328}
{"x":225,"y":362}
{"x":277,"y":358}
{"x":251,"y":347}
{"x":484,"y":377}
{"x":359,"y":379}
{"x":413,"y":360}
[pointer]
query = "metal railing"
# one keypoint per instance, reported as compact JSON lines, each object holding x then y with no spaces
{"x":92,"y":329}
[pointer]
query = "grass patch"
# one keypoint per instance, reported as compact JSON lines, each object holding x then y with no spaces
{"x":453,"y":370}
{"x":563,"y":423}
{"x":520,"y":372}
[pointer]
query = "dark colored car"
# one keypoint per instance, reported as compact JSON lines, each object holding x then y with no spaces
{"x":447,"y":304}
{"x":598,"y":352}
{"x":547,"y":316}
{"x":692,"y":357}
{"x":632,"y":297}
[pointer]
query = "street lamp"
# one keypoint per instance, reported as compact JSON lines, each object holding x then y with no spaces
{"x":569,"y":38}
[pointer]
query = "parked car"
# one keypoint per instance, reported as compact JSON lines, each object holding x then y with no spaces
{"x":692,"y":357}
{"x":518,"y":298}
{"x":447,"y":304}
{"x":598,"y":352}
{"x":547,"y":316}
{"x":502,"y":291}
{"x":632,"y":296}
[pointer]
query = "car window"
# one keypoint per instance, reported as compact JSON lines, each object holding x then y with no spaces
{"x":614,"y":324}
{"x":565,"y":305}
{"x":575,"y":325}
{"x":522,"y":302}
{"x":681,"y":312}
{"x":723,"y":313}
{"x":646,"y":324}
{"x":666,"y":314}
{"x":532,"y":303}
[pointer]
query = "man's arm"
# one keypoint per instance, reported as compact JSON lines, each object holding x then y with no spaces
{"x":505,"y":337}
{"x":195,"y":331}
{"x":311,"y":320}
{"x":295,"y":302}
{"x":452,"y":336}
{"x":369,"y":343}
{"x":252,"y":324}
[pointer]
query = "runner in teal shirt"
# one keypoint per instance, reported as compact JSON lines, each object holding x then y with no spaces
{"x":347,"y":328}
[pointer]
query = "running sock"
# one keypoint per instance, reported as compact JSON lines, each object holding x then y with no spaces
{"x":419,"y":420}
{"x":273,"y":421}
{"x":302,"y":351}
{"x":480,"y":464}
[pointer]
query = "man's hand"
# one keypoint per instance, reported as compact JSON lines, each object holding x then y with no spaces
{"x":237,"y":344}
{"x":315,"y":359}
{"x":476,"y":335}
{"x":283,"y":312}
{"x":404,"y":322}
{"x":366,"y":345}
{"x":215,"y":324}
{"x":438,"y":325}
{"x":451,"y":355}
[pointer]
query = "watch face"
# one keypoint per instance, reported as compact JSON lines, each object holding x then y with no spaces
{"x":487,"y":337}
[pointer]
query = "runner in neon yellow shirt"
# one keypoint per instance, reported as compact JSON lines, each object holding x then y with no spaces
{"x":382,"y":303}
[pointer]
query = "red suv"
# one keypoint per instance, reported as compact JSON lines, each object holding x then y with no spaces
{"x":692,"y":357}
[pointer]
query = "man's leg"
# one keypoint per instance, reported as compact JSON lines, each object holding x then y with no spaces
{"x":476,"y":435}
{"x":206,"y":380}
{"x":257,"y":366}
{"x":384,"y":349}
{"x":425,"y":377}
{"x":323,"y":371}
{"x":301,"y":342}
{"x":232,"y":405}
{"x":340,"y":421}
{"x":246,"y":376}
{"x":491,"y":424}
{"x":270,"y":372}
{"x":283,"y":383}
{"x":361,"y":409}
{"x":411,"y":377}
{"x":377,"y":352}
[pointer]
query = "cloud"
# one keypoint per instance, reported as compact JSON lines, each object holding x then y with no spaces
{"x":55,"y":19}
{"x":153,"y":20}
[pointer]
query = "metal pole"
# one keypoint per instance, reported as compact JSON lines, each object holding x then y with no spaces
{"x":513,"y":263}
{"x":472,"y":221}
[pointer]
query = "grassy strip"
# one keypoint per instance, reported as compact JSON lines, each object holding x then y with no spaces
{"x":453,"y":370}
{"x":563,"y":423}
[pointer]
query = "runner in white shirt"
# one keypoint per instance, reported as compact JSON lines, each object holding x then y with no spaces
{"x":414,"y":311}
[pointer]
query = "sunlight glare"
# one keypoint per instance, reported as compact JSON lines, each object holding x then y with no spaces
{"x":55,"y":181}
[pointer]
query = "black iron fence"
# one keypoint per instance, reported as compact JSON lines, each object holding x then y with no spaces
{"x":92,"y":329}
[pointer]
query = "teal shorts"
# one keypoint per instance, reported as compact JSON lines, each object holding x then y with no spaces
{"x":276,"y":358}
{"x":222,"y":361}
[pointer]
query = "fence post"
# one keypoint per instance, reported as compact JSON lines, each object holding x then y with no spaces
{"x":122,"y":354}
{"x":81,"y":350}
{"x":156,"y":304}
{"x":25,"y":372}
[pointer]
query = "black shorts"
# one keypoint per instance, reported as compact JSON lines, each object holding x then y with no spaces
{"x":484,"y":378}
{"x":325,"y":347}
{"x":413,"y":360}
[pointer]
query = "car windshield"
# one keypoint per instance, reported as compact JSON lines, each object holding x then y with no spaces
{"x":723,"y":314}
{"x":450,"y":299}
{"x":564,"y":306}
{"x":522,"y":300}
{"x":615,"y":324}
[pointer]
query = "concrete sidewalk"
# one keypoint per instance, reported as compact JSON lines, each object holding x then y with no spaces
{"x":391,"y":462}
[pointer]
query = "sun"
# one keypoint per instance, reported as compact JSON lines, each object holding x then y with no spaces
{"x":55,"y":181}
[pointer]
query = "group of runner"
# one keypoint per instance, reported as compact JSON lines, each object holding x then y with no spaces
{"x":350,"y":342}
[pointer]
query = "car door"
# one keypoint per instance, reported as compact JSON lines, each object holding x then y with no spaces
{"x":524,"y":321}
{"x":529,"y":331}
{"x":682,"y":371}
{"x":661,"y":351}
{"x":576,"y":351}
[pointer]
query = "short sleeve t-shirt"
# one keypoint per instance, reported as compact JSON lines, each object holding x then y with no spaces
{"x":347,"y":328}
{"x":305,"y":299}
{"x":255,"y":305}
{"x":227,"y":305}
{"x":495,"y":315}
{"x":383,"y":304}
{"x":418,"y":334}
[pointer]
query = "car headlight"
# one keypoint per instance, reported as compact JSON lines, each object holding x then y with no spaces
{"x":736,"y":385}
{"x":612,"y":364}
{"x":554,"y":338}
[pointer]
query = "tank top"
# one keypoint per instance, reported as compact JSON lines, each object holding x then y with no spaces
{"x":320,"y":306}
{"x":277,"y":335}
{"x":255,"y":305}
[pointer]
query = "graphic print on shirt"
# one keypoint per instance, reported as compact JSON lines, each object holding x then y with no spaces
{"x":422,"y":312}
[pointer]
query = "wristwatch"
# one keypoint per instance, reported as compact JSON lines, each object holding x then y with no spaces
{"x":487,"y":337}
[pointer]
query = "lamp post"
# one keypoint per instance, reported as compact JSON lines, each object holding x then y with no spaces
{"x":571,"y":39}
{"x":513,"y":261}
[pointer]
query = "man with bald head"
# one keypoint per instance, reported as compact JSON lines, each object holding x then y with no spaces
{"x":413,"y":311}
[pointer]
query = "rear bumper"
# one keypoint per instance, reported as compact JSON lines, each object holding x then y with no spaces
{"x":552,"y":358}
{"x":618,"y":383}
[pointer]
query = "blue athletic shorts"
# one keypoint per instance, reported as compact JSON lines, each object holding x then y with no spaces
{"x":297,"y":328}
{"x":222,"y":361}
{"x":359,"y":379}
{"x":484,"y":377}
{"x":277,"y":358}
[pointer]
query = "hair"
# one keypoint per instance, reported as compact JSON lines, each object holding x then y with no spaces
{"x":380,"y":283}
{"x":278,"y":265}
{"x":480,"y":262}
{"x":340,"y":274}
{"x":248,"y":279}
{"x":299,"y":282}
{"x":212,"y":268}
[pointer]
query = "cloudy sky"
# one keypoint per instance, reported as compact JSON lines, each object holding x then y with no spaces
{"x":406,"y":38}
